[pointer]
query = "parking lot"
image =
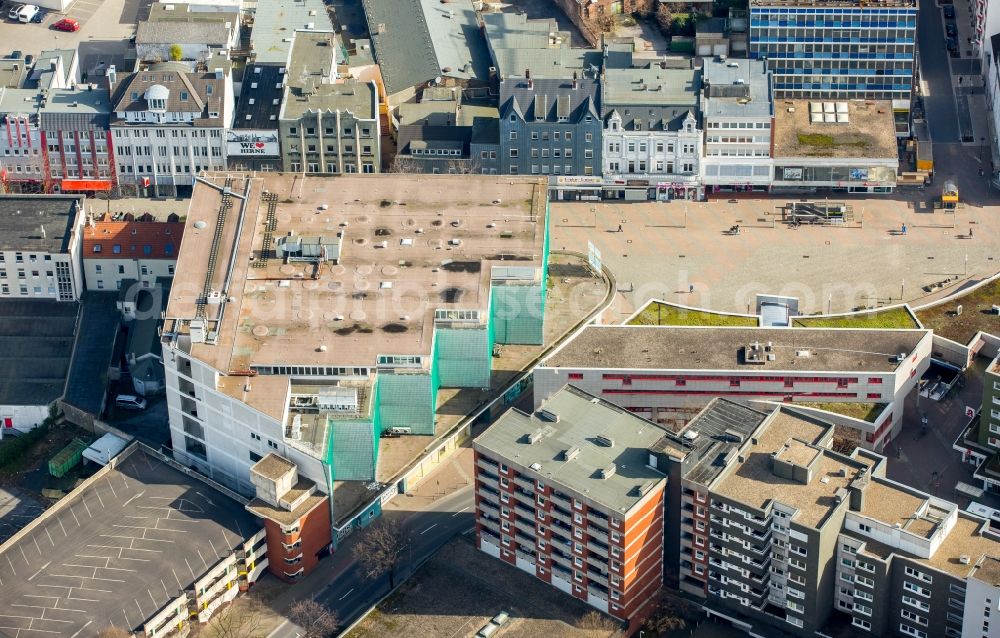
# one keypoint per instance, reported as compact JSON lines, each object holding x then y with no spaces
{"x":99,"y":20}
{"x":117,"y":552}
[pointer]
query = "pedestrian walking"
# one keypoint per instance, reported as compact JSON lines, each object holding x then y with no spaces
{"x":970,"y":233}
{"x":691,"y":288}
{"x":620,"y":228}
{"x":904,"y":229}
{"x":960,"y":80}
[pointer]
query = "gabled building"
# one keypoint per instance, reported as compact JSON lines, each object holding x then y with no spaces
{"x":652,"y":136}
{"x":550,"y":126}
{"x":140,"y":251}
{"x":168,"y":125}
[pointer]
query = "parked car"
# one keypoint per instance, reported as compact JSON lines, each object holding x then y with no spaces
{"x":14,"y":11}
{"x":40,"y":16}
{"x":28,"y":60}
{"x":952,"y":44}
{"x":27,"y":13}
{"x":66,"y":24}
{"x":949,"y":11}
{"x":130,"y":402}
{"x":950,"y":29}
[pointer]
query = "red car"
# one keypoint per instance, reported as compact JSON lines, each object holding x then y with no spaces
{"x":66,"y":24}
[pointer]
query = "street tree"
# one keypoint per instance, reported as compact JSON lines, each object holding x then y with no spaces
{"x":314,"y":618}
{"x":380,"y":548}
{"x":240,"y":619}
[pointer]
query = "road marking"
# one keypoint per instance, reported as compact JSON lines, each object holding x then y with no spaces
{"x":81,"y":629}
{"x":132,"y":499}
{"x":428,"y":529}
{"x":349,"y":592}
{"x":39,"y":571}
{"x":460,"y":511}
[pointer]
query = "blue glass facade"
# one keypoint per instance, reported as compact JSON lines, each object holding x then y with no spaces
{"x":837,"y":52}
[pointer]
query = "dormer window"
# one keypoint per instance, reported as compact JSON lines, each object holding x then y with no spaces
{"x":156,"y":97}
{"x":184,"y":96}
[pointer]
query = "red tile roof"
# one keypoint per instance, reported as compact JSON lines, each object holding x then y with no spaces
{"x":132,"y":240}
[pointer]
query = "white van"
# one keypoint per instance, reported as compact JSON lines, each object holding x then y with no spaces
{"x":130,"y":402}
{"x":26,"y":13}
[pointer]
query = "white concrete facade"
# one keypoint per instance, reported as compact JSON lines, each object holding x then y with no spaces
{"x":22,"y":417}
{"x":982,"y":602}
{"x":41,"y":275}
{"x":108,"y":274}
{"x":217,"y":433}
{"x":676,"y":396}
{"x":739,"y":151}
{"x":670,"y":161}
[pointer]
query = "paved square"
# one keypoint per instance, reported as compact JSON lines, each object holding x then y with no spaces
{"x":117,"y":552}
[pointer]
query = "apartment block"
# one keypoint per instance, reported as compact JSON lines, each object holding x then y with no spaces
{"x":979,"y":443}
{"x":40,"y":243}
{"x":571,"y":494}
{"x":668,"y":374}
{"x":550,"y":126}
{"x":136,"y":250}
{"x":296,"y":517}
{"x":838,"y":49}
{"x":738,"y":113}
{"x":357,"y":303}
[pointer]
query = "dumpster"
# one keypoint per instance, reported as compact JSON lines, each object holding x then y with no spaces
{"x":67,"y":458}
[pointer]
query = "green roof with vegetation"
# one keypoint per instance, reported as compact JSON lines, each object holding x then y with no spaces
{"x":863,"y":411}
{"x":977,"y":314}
{"x":890,"y":318}
{"x":661,"y":314}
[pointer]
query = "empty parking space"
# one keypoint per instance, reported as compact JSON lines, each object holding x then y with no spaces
{"x":83,"y":10}
{"x":116,"y":552}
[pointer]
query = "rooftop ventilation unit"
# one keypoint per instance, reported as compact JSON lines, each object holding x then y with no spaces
{"x":570,"y":454}
{"x":606,"y":441}
{"x":609,"y":471}
{"x":548,"y":415}
{"x":536,"y":436}
{"x":691,"y":435}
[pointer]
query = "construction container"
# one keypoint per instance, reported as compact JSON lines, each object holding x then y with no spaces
{"x":67,"y":458}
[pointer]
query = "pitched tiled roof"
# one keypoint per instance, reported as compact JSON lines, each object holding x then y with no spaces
{"x":130,"y":93}
{"x":132,"y":240}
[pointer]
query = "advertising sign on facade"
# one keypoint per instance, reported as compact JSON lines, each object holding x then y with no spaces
{"x":251,"y":142}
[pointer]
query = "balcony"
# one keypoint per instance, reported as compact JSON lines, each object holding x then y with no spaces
{"x":525,"y":556}
{"x":598,"y":535}
{"x":559,"y":516}
{"x":524,"y":512}
{"x":598,"y":548}
{"x":595,"y":517}
{"x":524,"y":498}
{"x":557,"y":557}
{"x":560,"y":500}
{"x":526,"y":528}
{"x":488,"y":466}
{"x":490,"y":538}
{"x":488,"y":510}
{"x":490,"y":483}
{"x":597,"y":578}
{"x":491,"y":525}
{"x":525,"y":484}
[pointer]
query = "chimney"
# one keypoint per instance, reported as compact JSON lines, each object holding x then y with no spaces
{"x":576,"y":83}
{"x":527,"y":75}
{"x":112,"y":76}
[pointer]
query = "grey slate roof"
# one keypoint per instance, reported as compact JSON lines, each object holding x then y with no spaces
{"x":660,"y":99}
{"x":36,"y":344}
{"x":550,"y":99}
{"x":170,"y":32}
{"x":76,"y":109}
{"x":416,"y":41}
{"x":268,"y":89}
{"x":517,"y":43}
{"x":23,"y":216}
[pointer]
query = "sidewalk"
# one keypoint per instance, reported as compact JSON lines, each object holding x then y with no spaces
{"x":453,"y":474}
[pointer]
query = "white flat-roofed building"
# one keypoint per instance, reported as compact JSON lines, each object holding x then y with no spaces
{"x":668,"y":374}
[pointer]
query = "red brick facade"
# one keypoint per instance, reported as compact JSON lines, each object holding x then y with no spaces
{"x":292,"y":555}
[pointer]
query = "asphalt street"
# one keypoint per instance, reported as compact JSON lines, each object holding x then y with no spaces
{"x":349,"y":594}
{"x":939,"y":100}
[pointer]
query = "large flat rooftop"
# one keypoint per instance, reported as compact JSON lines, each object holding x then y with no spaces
{"x":581,"y":419}
{"x":38,"y":223}
{"x":794,"y":438}
{"x":117,"y":550}
{"x":723,"y":348}
{"x":408,"y":245}
{"x":36,"y":344}
{"x":846,"y":129}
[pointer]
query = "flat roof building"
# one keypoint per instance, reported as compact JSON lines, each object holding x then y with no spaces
{"x":670,"y":373}
{"x":326,"y":311}
{"x":835,"y":144}
{"x":40,"y":238}
{"x":569,"y":495}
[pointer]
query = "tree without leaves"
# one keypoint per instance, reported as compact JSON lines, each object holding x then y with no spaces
{"x":314,"y":618}
{"x":596,"y":620}
{"x":664,"y":18}
{"x":240,"y":619}
{"x":380,"y":548}
{"x":406,"y":165}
